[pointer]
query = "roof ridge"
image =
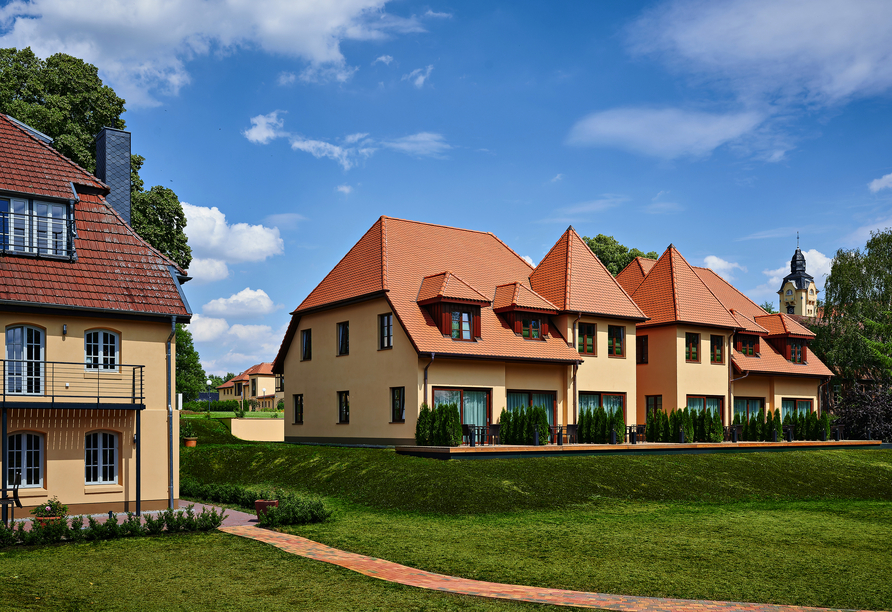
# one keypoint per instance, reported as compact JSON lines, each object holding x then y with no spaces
{"x":569,"y":270}
{"x":606,"y":271}
{"x":673,"y":281}
{"x":53,"y":150}
{"x":719,"y":276}
{"x":384,"y":253}
{"x":721,"y":303}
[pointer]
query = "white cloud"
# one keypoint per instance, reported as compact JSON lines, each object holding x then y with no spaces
{"x":884,"y":182}
{"x":211,"y":237}
{"x":816,"y":264}
{"x":206,"y":329}
{"x":721,"y":267}
{"x":778,"y":232}
{"x":142,"y":47}
{"x":528,"y":259}
{"x":207,"y":270}
{"x":558,"y":177}
{"x":321,"y":149}
{"x":861,"y":235}
{"x":354,"y":138}
{"x":583,"y":210}
{"x":806,"y":51}
{"x":436,"y":15}
{"x":286,"y":78}
{"x":265,"y":128}
{"x":247,"y":345}
{"x":663,"y":208}
{"x":666,"y":132}
{"x":418,"y":76}
{"x":384,"y":59}
{"x":247,"y":302}
{"x":345,"y":189}
{"x":284,"y":220}
{"x":422,"y":144}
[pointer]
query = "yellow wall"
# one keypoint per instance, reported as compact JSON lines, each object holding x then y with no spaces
{"x":659,"y":375}
{"x":774,"y":389}
{"x":263,"y":430}
{"x":141,"y":343}
{"x":804,"y":301}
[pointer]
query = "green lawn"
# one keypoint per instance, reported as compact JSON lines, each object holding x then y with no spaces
{"x":805,"y":528}
{"x":204,"y":572}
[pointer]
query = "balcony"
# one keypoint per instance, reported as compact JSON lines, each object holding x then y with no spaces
{"x":56,"y":384}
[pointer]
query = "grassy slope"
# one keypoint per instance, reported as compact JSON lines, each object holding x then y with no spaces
{"x":204,"y":572}
{"x":382,"y":479}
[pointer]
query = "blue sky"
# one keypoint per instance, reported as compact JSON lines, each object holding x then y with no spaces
{"x":288,"y":127}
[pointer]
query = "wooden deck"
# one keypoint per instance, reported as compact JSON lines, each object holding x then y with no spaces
{"x":498,"y":451}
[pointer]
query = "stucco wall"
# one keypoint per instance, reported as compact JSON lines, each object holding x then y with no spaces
{"x":774,"y":389}
{"x":141,"y":343}
{"x":659,"y":375}
{"x":703,"y":378}
{"x":262,"y":430}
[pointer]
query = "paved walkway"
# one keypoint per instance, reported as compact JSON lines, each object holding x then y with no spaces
{"x":394,"y":572}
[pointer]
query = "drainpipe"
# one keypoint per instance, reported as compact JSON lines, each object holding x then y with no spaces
{"x":433,"y":356}
{"x":730,"y":396}
{"x":575,"y":365}
{"x":826,"y":382}
{"x":173,"y":332}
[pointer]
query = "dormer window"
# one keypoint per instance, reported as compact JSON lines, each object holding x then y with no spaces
{"x":462,"y":320}
{"x":34,"y":228}
{"x":796,"y":351}
{"x":531,"y":327}
{"x":453,"y":305}
{"x":747,"y":344}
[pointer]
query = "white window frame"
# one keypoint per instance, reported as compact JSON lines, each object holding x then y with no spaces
{"x":28,"y":460}
{"x":29,"y":223}
{"x":101,"y":361}
{"x":104,"y":445}
{"x":22,"y":367}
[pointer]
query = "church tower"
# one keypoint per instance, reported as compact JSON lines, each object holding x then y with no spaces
{"x":798,"y":293}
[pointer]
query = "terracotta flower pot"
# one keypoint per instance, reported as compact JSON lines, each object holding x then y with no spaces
{"x":190,"y":442}
{"x":262,"y":504}
{"x":43,"y":520}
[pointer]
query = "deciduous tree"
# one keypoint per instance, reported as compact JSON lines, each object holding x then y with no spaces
{"x":614,"y":255}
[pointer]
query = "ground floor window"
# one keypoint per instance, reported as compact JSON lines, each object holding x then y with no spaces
{"x":527,"y":399}
{"x":26,"y":456}
{"x":705,"y":403}
{"x":653,"y":404}
{"x":299,"y":408}
{"x":101,"y":458}
{"x":746,"y":408}
{"x":610,"y":402}
{"x":343,"y":406}
{"x":795,"y":406}
{"x":397,"y":404}
{"x":475,"y":405}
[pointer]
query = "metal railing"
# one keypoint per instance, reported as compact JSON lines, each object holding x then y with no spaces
{"x":55,"y":382}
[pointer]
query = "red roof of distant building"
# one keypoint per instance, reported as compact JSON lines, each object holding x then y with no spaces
{"x":631,"y":276}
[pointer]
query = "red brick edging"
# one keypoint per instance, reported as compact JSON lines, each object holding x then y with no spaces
{"x":394,"y":572}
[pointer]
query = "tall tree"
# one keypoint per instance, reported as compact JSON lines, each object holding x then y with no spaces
{"x":191,"y":379}
{"x":614,"y":255}
{"x":158,"y":216}
{"x":768,"y":307}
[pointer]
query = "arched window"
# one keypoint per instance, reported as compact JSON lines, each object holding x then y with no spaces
{"x":25,"y":454}
{"x":101,"y":458}
{"x":789,"y":292}
{"x":101,"y":350}
{"x":24,"y":360}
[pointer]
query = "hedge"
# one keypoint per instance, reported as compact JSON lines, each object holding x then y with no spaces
{"x":438,"y":427}
{"x":519,"y":426}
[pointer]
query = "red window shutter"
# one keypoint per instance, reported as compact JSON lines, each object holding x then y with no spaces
{"x":787,"y":351}
{"x":518,"y":326}
{"x":476,"y":324}
{"x":739,"y":345}
{"x":756,"y":347}
{"x":804,"y":353}
{"x":544,"y":329}
{"x":447,"y":322}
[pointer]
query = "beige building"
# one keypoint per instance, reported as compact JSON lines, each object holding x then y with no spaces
{"x":706,"y":346}
{"x":257,"y":384}
{"x":798,"y":294}
{"x":419,"y":313}
{"x":88,"y":311}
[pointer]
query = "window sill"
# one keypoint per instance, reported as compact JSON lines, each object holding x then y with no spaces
{"x":298,"y":423}
{"x":103,"y":488}
{"x":343,"y":355}
{"x":716,"y":363}
{"x":342,"y":423}
{"x":30,"y":492}
{"x":386,"y":348}
{"x":398,"y":422}
{"x":616,"y":356}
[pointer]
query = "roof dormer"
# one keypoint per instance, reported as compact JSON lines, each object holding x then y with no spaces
{"x":453,"y":304}
{"x":525,"y":311}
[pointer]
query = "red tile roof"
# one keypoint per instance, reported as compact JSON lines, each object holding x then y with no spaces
{"x":748,"y":325}
{"x":517,"y":295}
{"x":447,"y":285}
{"x":631,"y":276}
{"x":770,"y":361}
{"x":574,"y":279}
{"x":394,"y":257}
{"x":728,"y":294}
{"x":779,"y":324}
{"x":115,"y":268}
{"x":672,"y":292}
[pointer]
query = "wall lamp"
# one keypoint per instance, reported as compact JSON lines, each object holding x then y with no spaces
{"x":64,"y":329}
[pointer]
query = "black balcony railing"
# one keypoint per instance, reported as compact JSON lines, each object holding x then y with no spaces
{"x":56,"y":384}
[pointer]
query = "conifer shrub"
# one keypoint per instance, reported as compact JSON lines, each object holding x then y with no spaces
{"x":423,"y":426}
{"x":446,"y":429}
{"x":688,"y":426}
{"x":801,"y":427}
{"x":825,"y":425}
{"x":619,"y":424}
{"x":649,"y":427}
{"x":716,"y":430}
{"x":505,"y":433}
{"x":540,"y":422}
{"x":665,"y":427}
{"x":769,"y":426}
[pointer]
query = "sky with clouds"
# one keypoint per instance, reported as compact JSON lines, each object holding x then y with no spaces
{"x":287,"y":127}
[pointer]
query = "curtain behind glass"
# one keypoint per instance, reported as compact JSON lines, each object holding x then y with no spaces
{"x":695,"y":404}
{"x":612,"y":403}
{"x":740,"y":408}
{"x":546,"y":400}
{"x":474,"y":408}
{"x":589,"y":402}
{"x":517,"y":400}
{"x":787,"y":407}
{"x":447,"y":396}
{"x":712,"y":405}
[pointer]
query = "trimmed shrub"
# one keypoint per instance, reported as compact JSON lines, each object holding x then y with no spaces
{"x":294,"y":510}
{"x":540,"y":423}
{"x":423,"y":426}
{"x":688,"y":425}
{"x":825,"y":424}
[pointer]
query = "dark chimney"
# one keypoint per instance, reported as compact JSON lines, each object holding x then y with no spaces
{"x":113,"y":168}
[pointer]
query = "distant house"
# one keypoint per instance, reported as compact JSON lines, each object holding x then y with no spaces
{"x":420,"y":313}
{"x":706,"y":346}
{"x":257,"y":383}
{"x":88,"y":310}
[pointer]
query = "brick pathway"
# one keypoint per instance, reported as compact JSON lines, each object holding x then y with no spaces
{"x":394,"y":572}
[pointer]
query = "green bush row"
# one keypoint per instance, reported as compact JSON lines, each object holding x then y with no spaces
{"x":293,"y":509}
{"x":594,"y":425}
{"x":702,"y":426}
{"x":216,"y":406}
{"x":438,"y":427}
{"x":59,"y":530}
{"x":518,"y":426}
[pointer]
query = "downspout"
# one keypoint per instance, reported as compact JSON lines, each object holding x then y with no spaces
{"x":575,"y":365}
{"x":826,"y":382}
{"x":433,"y":356}
{"x":731,"y":397}
{"x":173,"y":332}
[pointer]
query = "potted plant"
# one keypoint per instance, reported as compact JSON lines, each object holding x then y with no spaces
{"x":52,"y":510}
{"x":187,"y":433}
{"x":261,"y":505}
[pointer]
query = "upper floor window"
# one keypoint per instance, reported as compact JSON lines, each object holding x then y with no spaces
{"x":101,"y":458}
{"x":25,"y":455}
{"x":101,"y":350}
{"x":29,"y":226}
{"x":747,"y":344}
{"x":587,"y":344}
{"x":461,"y":325}
{"x":796,"y":350}
{"x":253,"y":387}
{"x":641,"y":349}
{"x":616,"y":341}
{"x":24,"y":360}
{"x":692,"y":347}
{"x":717,"y":349}
{"x":385,"y":331}
{"x":306,"y":344}
{"x":531,"y":328}
{"x":344,"y":338}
